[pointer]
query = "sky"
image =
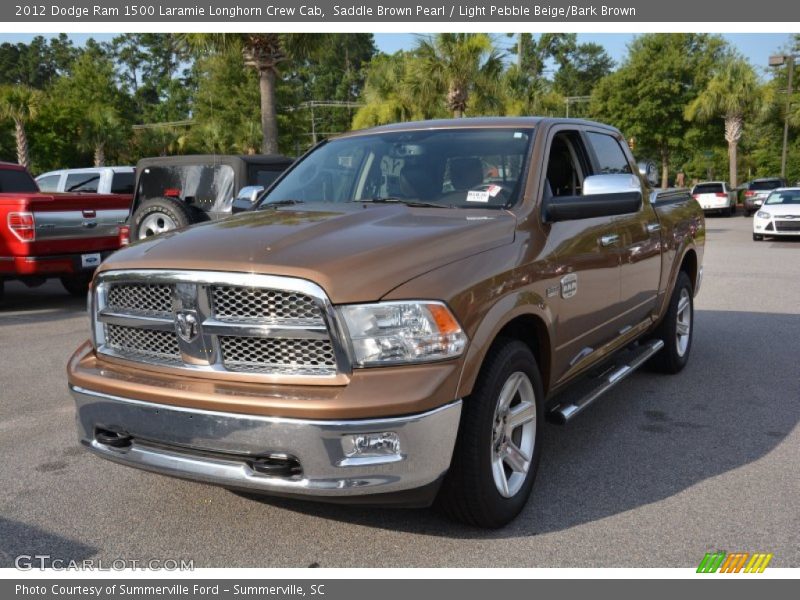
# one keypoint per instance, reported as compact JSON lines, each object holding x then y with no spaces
{"x":755,"y":46}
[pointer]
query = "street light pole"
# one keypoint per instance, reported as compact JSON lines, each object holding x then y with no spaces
{"x":776,"y":61}
{"x":786,"y":120}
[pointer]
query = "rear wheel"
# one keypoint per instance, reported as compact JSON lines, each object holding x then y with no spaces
{"x":732,"y":210}
{"x":499,"y":442}
{"x":77,"y":285}
{"x":159,"y":215}
{"x":676,"y":329}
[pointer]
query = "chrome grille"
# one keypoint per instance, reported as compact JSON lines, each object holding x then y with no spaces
{"x":245,"y":325}
{"x":146,"y":344}
{"x":140,"y":299}
{"x":787,"y":225}
{"x":231,"y":303}
{"x":259,"y":354}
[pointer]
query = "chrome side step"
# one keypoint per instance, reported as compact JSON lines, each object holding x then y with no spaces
{"x":564,"y":412}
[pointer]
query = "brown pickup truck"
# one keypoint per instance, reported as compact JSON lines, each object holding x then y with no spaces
{"x":397,"y":317}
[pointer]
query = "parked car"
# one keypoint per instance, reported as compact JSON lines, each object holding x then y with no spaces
{"x":45,"y":235}
{"x":396,"y":318}
{"x":173,"y":192}
{"x":757,"y":191}
{"x":715,"y":196}
{"x":94,"y":180}
{"x":779,"y":215}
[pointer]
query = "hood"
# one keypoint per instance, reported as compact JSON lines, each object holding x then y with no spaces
{"x":356,"y":252}
{"x":782,"y":209}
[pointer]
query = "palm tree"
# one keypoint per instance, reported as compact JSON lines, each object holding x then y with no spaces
{"x":458,"y":65}
{"x":733,"y":93}
{"x":264,"y":52}
{"x":101,"y":130}
{"x":20,"y":103}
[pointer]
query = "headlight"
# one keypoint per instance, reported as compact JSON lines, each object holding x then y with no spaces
{"x":763,"y":215}
{"x":402,"y":332}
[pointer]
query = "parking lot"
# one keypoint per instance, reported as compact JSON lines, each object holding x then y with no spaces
{"x":660,"y":471}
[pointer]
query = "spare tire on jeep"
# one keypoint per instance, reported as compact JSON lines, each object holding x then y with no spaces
{"x":159,"y":215}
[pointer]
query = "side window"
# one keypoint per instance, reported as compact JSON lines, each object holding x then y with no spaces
{"x":610,"y":156}
{"x":566,"y":165}
{"x":49,"y":183}
{"x":82,"y":182}
{"x":265,"y":178}
{"x":122,"y":183}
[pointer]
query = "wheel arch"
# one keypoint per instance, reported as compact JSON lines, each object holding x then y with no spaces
{"x":530,"y":327}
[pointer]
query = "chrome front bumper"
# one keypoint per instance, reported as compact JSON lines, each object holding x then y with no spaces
{"x":219,"y":448}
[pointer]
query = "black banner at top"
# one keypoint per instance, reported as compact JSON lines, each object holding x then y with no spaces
{"x":410,"y":11}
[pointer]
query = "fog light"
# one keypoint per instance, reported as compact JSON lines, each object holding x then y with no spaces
{"x":370,"y":445}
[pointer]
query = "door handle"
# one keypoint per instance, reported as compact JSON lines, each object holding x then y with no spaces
{"x":653,"y":227}
{"x":609,"y":240}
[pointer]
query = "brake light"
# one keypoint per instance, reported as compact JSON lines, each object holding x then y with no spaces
{"x":22,"y":225}
{"x":172,"y":193}
{"x":124,"y":235}
{"x":721,"y":195}
{"x":749,"y":193}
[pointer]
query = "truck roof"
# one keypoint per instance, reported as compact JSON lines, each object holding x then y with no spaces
{"x":115,"y":169}
{"x":477,"y":122}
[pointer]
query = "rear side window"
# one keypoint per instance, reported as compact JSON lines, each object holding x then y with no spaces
{"x":122,"y":183}
{"x":49,"y":183}
{"x":609,"y":153}
{"x":82,"y":182}
{"x":13,"y":180}
{"x":708,"y":188}
{"x":265,"y":178}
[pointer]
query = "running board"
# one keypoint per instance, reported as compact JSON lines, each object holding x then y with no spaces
{"x":596,"y":387}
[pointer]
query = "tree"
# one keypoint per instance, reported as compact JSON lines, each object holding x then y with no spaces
{"x":459,"y":65}
{"x":581,"y":69}
{"x":265,"y":53}
{"x":733,"y":93}
{"x":20,"y":103}
{"x":647,"y":96}
{"x":102,"y":129}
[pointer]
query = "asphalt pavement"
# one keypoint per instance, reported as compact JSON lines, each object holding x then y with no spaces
{"x":655,"y":474}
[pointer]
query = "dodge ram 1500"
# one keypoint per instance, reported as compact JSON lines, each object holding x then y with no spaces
{"x":396,"y":319}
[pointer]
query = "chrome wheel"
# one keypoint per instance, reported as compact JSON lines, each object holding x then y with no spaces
{"x":683,"y":328}
{"x":513,"y":434}
{"x":156,"y":223}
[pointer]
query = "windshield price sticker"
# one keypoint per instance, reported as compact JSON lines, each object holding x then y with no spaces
{"x":477,"y":196}
{"x":493,"y":190}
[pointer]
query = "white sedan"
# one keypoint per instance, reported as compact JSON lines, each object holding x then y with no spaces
{"x":779,"y":215}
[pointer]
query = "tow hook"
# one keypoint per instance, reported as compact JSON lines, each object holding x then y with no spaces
{"x":114,"y":439}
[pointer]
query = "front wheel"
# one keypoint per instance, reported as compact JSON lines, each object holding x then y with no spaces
{"x":757,"y":237}
{"x":499,"y":441}
{"x":676,"y":329}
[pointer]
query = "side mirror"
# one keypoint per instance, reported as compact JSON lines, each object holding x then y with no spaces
{"x":603,"y":196}
{"x":649,"y":171}
{"x":246,"y":198}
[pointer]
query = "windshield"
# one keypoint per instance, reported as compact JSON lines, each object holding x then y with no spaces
{"x":784,"y":197}
{"x":466,"y":168}
{"x":769,"y":184}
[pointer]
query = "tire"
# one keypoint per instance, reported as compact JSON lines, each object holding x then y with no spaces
{"x":159,"y":215}
{"x":471,"y":491}
{"x":757,"y":237}
{"x":2,"y":290}
{"x":77,"y":285}
{"x":677,"y":346}
{"x":732,"y":210}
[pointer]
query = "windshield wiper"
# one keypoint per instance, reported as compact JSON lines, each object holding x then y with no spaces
{"x":406,"y":201}
{"x":286,"y":202}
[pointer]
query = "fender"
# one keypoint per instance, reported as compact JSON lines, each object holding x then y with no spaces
{"x":519,"y":303}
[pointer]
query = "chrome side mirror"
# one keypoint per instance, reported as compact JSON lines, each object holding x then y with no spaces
{"x":611,"y":184}
{"x":246,"y":198}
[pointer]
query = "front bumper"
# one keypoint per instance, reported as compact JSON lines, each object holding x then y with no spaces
{"x":223,"y":448}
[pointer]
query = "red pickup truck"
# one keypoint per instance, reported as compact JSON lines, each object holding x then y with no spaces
{"x":44,"y":235}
